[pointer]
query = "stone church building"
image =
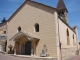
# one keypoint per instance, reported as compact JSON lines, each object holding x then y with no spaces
{"x":40,"y":30}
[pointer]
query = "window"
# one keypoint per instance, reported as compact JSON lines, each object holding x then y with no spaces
{"x":36,"y":27}
{"x":19,"y":28}
{"x":73,"y":40}
{"x":68,"y":39}
{"x":59,"y":13}
{"x":62,"y":12}
{"x":4,"y":32}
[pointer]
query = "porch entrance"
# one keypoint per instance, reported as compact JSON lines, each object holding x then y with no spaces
{"x":28,"y":45}
{"x":24,"y":43}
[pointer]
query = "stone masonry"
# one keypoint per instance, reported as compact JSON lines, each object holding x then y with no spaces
{"x":68,"y":53}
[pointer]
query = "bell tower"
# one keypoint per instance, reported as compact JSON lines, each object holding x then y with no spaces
{"x":62,"y":11}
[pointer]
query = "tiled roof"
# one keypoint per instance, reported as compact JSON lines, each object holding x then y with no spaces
{"x":21,"y":33}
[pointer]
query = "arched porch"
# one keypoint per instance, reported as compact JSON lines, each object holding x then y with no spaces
{"x":24,"y":44}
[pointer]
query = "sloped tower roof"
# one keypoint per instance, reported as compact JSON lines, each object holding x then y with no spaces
{"x":61,"y":5}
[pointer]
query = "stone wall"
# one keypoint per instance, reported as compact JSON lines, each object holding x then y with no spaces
{"x":68,"y":53}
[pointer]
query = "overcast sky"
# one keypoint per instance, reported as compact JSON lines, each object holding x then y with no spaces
{"x":8,"y":7}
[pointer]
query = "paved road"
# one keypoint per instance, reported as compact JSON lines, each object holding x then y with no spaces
{"x":76,"y":58}
{"x":8,"y":57}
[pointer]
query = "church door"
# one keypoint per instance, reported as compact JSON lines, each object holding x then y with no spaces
{"x":28,"y":48}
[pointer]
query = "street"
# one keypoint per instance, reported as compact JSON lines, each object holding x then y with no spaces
{"x":8,"y":57}
{"x":76,"y":58}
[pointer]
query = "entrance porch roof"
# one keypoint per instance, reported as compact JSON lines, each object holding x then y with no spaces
{"x":20,"y":34}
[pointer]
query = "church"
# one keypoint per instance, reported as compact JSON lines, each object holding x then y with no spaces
{"x":36,"y":29}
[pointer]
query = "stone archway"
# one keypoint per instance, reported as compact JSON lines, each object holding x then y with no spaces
{"x":28,"y":45}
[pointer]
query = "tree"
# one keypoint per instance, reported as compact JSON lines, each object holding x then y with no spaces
{"x":4,"y":20}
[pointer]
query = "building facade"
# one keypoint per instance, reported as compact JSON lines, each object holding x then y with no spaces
{"x":3,"y":36}
{"x":35,"y":29}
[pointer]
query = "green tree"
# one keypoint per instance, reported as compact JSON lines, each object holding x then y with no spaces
{"x":4,"y":20}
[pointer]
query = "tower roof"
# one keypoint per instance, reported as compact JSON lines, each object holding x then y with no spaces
{"x":61,"y":5}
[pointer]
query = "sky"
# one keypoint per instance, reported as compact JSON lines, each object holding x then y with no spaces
{"x":8,"y":7}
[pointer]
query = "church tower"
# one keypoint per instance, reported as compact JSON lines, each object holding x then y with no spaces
{"x":62,"y":11}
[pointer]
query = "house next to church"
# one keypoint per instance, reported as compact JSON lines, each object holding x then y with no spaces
{"x":3,"y":36}
{"x":40,"y":30}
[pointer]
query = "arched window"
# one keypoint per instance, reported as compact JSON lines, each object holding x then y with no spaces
{"x":68,"y":39}
{"x":73,"y":36}
{"x":19,"y":28}
{"x":36,"y":27}
{"x":4,"y":32}
{"x":62,"y":12}
{"x":73,"y":40}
